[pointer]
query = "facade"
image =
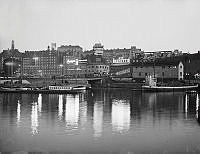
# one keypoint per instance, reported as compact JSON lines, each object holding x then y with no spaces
{"x":70,"y":52}
{"x":41,"y":64}
{"x":139,"y":71}
{"x":97,"y":66}
{"x":160,"y":71}
{"x":10,"y":61}
{"x":121,"y":71}
{"x":75,"y":68}
{"x":98,"y":49}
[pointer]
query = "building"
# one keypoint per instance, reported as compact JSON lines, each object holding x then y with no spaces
{"x":98,"y":49}
{"x":136,"y":54}
{"x":96,"y":66}
{"x":138,"y":71}
{"x":75,"y":68}
{"x":65,"y":62}
{"x":132,"y":53}
{"x":70,"y":52}
{"x":121,"y":61}
{"x":121,"y":71}
{"x":10,"y":61}
{"x":162,"y":71}
{"x":41,"y":64}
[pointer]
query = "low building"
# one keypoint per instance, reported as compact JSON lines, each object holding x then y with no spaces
{"x":96,"y":66}
{"x":162,"y":71}
{"x":139,"y":71}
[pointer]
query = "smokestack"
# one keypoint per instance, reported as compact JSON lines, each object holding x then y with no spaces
{"x":12,"y":45}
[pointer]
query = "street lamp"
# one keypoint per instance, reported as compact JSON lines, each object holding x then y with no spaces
{"x":61,"y":66}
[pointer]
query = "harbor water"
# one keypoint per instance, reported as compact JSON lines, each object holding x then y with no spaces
{"x":101,"y":120}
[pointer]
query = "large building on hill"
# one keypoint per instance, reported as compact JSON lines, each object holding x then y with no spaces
{"x":40,"y":63}
{"x":97,"y":66}
{"x":49,"y":63}
{"x":10,"y":61}
{"x":191,"y":64}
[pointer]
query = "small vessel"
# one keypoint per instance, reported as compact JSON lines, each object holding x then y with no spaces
{"x":152,"y":86}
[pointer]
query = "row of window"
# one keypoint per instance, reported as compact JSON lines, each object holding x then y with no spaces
{"x":163,"y":67}
{"x":97,"y":66}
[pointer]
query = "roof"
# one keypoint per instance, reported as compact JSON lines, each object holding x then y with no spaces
{"x":157,"y":63}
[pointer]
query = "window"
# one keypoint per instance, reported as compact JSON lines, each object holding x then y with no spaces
{"x":181,"y":74}
{"x":180,"y":67}
{"x":139,"y":73}
{"x":145,"y":74}
{"x":163,"y":74}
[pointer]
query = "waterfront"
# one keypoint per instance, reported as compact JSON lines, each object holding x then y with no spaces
{"x":100,"y":121}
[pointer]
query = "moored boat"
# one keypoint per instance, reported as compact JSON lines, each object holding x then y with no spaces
{"x":167,"y":89}
{"x":49,"y":89}
{"x":152,"y":86}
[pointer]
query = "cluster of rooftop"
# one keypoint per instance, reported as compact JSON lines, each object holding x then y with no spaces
{"x":72,"y":61}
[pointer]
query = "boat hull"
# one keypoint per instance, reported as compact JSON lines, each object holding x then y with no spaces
{"x":168,"y":89}
{"x":37,"y":91}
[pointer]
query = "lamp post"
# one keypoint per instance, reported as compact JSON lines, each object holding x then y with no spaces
{"x":61,"y":66}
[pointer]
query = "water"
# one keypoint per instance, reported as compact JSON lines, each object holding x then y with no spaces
{"x":104,"y":121}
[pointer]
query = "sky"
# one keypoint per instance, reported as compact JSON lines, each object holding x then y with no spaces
{"x":151,"y":25}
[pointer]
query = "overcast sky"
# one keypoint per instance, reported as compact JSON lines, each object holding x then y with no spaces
{"x":147,"y":24}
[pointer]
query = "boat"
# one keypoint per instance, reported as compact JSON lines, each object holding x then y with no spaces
{"x":49,"y":89}
{"x":152,"y":86}
{"x":168,"y":89}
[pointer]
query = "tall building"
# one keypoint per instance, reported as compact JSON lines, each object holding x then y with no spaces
{"x":48,"y":63}
{"x":41,"y":63}
{"x":10,"y":61}
{"x":98,"y":49}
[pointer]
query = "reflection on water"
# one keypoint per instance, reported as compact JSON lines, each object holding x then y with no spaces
{"x":60,"y":107}
{"x":18,"y":112}
{"x":72,"y":111}
{"x":40,"y":103}
{"x":34,"y":118}
{"x":186,"y":105}
{"x":98,"y":118}
{"x":120,"y":115}
{"x":101,"y":119}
